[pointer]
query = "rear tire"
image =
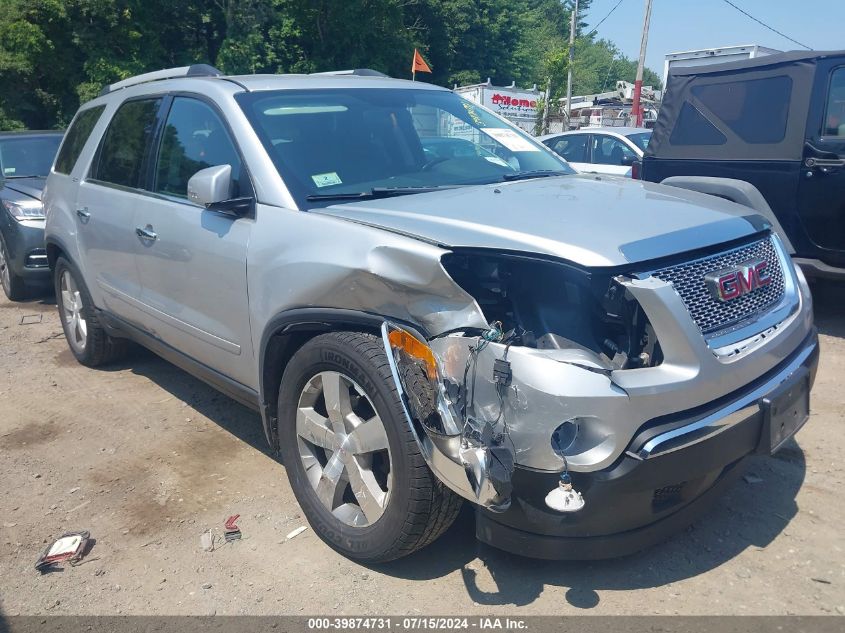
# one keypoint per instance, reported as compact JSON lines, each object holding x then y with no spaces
{"x":14,"y":286}
{"x":86,"y":337}
{"x":319,"y":439}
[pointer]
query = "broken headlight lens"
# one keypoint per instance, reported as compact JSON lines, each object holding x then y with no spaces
{"x":417,"y":368}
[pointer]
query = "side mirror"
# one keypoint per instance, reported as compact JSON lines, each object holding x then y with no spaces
{"x":628,"y":160}
{"x":211,"y":187}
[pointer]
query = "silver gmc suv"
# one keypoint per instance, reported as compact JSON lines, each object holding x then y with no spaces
{"x":428,"y":306}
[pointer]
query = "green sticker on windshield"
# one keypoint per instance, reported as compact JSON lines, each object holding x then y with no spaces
{"x":326,"y":180}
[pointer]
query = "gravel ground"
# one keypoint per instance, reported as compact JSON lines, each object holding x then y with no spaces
{"x":147,"y":458}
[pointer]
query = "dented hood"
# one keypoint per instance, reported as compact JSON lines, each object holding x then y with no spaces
{"x":588,"y":220}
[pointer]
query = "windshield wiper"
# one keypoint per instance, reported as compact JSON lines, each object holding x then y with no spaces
{"x":23,"y":176}
{"x":537,"y":173}
{"x":377,"y":192}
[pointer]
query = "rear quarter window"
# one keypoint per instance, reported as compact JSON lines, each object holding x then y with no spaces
{"x":693,"y":128}
{"x":76,"y":137}
{"x":757,"y":110}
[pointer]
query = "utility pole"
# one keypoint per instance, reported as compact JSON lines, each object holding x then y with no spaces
{"x":572,"y":27}
{"x":638,"y":84}
{"x":544,"y":128}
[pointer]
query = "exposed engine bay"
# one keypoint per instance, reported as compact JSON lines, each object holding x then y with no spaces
{"x":550,"y":305}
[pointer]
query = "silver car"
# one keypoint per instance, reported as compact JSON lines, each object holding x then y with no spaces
{"x":588,"y":361}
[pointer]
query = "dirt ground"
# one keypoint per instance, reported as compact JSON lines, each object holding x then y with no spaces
{"x":147,"y":458}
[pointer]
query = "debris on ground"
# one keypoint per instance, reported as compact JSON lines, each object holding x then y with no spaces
{"x":31,"y":319}
{"x":296,"y":532}
{"x":232,"y":531}
{"x":69,"y":547}
{"x":752,"y":479}
{"x":207,"y":541}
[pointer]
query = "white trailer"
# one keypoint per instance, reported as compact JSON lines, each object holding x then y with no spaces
{"x":517,"y":105}
{"x":709,"y":56}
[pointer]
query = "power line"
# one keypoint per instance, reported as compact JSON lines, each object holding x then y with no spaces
{"x":760,"y":22}
{"x":609,"y":13}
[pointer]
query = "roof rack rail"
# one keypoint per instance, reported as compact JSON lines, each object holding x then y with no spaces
{"x":360,"y":72}
{"x":194,"y":70}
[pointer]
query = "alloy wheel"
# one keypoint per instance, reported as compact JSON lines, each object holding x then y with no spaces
{"x":343,"y":446}
{"x":72,"y":313}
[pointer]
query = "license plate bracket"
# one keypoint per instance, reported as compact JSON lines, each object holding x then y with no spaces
{"x":785,"y":410}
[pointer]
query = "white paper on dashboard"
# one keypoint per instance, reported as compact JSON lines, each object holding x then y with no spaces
{"x":510,"y":139}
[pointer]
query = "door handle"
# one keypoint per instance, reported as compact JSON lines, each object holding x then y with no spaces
{"x":83,"y":213}
{"x":146,"y":233}
{"x":825,"y":165}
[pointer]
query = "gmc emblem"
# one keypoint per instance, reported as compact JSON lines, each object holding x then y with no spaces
{"x":730,"y":283}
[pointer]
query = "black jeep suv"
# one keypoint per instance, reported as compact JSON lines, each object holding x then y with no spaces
{"x":769,"y":133}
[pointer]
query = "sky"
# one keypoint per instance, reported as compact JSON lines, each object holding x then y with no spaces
{"x":682,"y":25}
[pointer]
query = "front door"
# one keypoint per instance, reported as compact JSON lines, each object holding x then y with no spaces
{"x":192,"y":261}
{"x":821,"y":192}
{"x":574,"y":149}
{"x":609,"y":155}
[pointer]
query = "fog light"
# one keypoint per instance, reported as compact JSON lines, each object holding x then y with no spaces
{"x":565,"y":498}
{"x":564,"y":436}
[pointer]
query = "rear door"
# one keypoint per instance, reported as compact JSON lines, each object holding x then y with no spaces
{"x":192,"y":261}
{"x":106,"y":205}
{"x":821,"y":191}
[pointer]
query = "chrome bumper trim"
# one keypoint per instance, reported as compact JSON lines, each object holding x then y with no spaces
{"x":726,"y":417}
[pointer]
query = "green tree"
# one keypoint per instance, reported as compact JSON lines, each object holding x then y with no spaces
{"x":55,"y":54}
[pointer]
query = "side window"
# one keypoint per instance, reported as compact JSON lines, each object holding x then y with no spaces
{"x":194,"y":138}
{"x":834,"y":118}
{"x":76,"y":137}
{"x":126,"y":143}
{"x":693,"y":128}
{"x":609,"y":151}
{"x":572,"y":148}
{"x":757,"y":111}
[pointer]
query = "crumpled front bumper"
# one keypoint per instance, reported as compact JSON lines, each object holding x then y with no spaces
{"x":639,"y":501}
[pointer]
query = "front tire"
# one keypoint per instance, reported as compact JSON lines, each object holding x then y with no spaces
{"x":14,"y":286}
{"x":86,"y":337}
{"x":352,"y":460}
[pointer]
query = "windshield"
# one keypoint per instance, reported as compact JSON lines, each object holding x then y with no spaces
{"x":28,"y":155}
{"x":640,"y":139}
{"x":332,"y":142}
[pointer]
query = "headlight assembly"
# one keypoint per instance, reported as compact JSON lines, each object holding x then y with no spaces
{"x":25,"y":209}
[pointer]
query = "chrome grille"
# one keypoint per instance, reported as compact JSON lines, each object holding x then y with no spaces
{"x":711,"y":314}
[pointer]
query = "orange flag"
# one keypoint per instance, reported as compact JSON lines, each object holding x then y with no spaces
{"x":419,"y":64}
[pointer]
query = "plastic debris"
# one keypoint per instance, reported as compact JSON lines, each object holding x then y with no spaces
{"x":70,"y":547}
{"x":207,"y":541}
{"x":296,"y":532}
{"x":232,"y":531}
{"x":31,"y":319}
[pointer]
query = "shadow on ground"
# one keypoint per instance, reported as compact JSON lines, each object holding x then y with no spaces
{"x":231,"y":416}
{"x":750,"y":515}
{"x":829,"y":305}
